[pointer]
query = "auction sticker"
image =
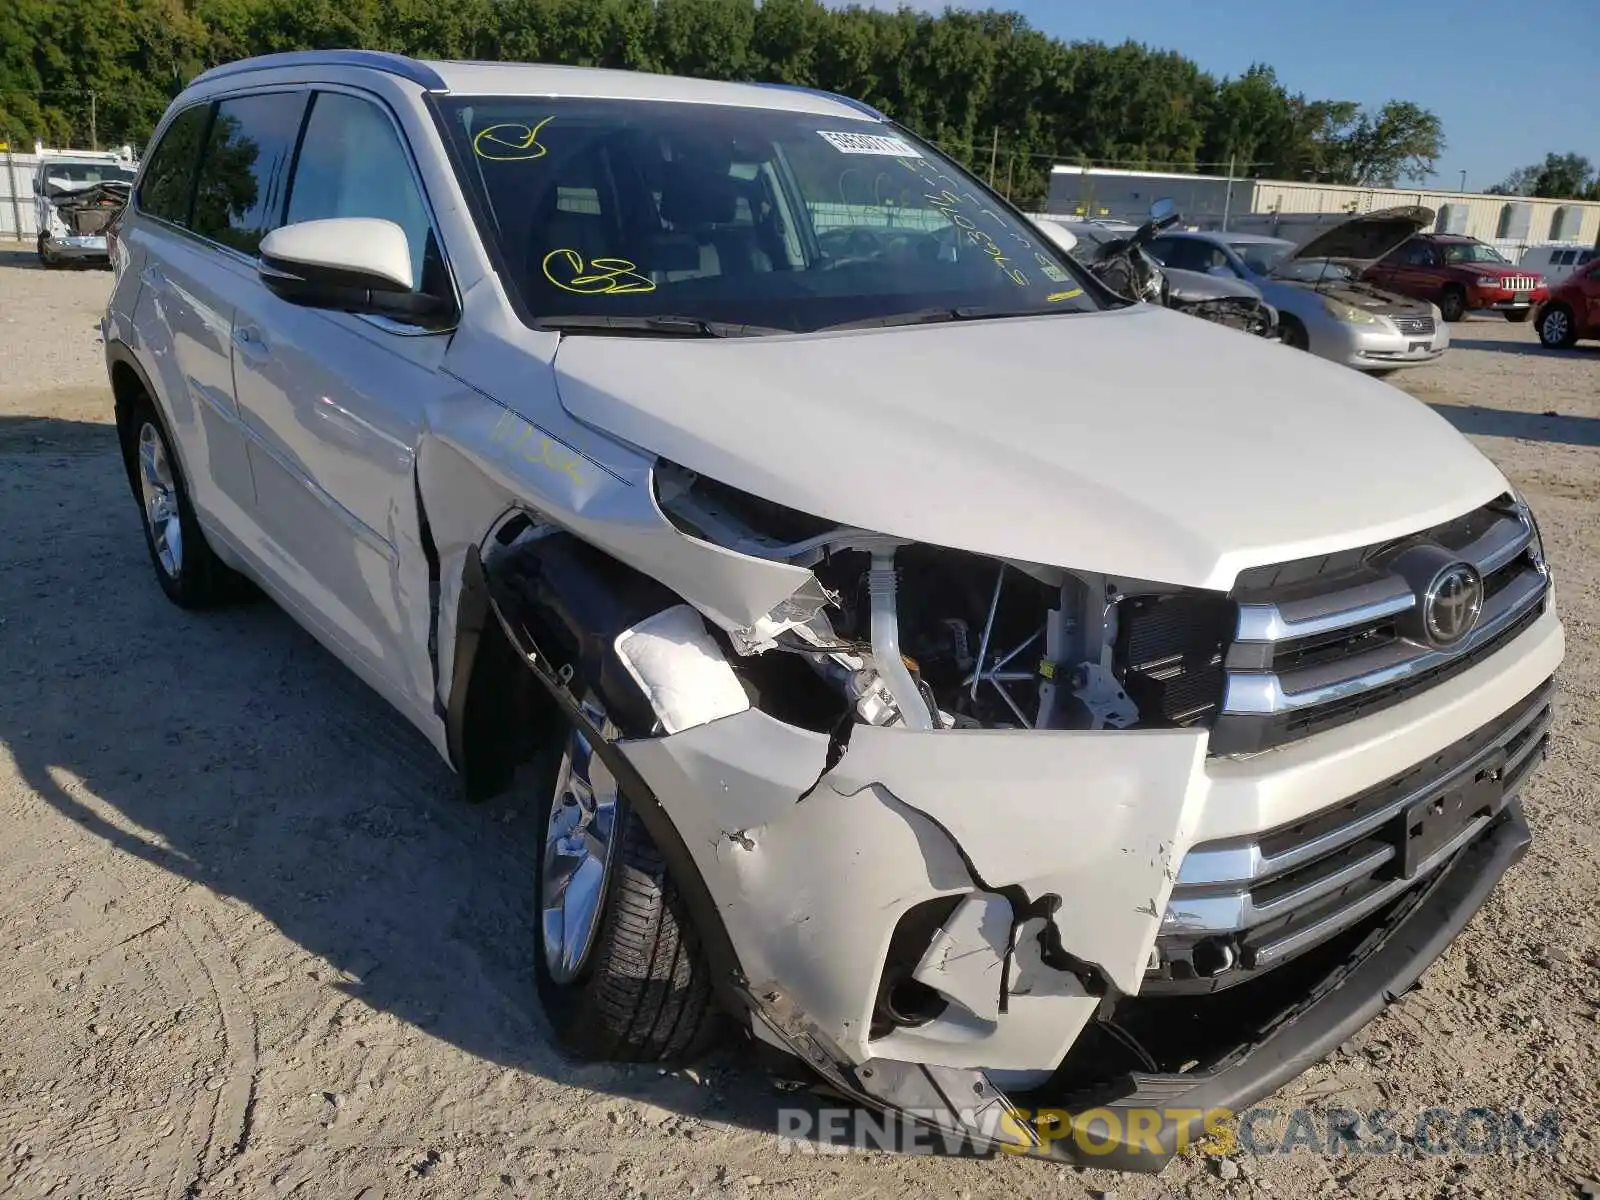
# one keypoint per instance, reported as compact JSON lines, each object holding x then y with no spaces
{"x":869,"y":143}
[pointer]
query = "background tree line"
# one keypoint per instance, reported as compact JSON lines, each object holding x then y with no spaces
{"x":1562,"y":176}
{"x":983,"y":85}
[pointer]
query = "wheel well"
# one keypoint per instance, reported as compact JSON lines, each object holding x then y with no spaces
{"x":127,"y":390}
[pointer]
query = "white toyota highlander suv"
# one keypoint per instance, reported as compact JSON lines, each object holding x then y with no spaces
{"x":1011,"y":701}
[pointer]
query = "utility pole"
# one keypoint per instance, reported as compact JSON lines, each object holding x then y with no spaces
{"x":94,"y":128}
{"x":1227,"y":197}
{"x":994,"y":152}
{"x":1011,"y":166}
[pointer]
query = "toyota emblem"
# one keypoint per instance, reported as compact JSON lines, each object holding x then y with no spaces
{"x":1452,"y":604}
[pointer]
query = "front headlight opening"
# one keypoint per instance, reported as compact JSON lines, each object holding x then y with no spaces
{"x":1350,"y":314}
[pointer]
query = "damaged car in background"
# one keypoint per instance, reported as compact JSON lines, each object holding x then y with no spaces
{"x":76,"y":201}
{"x":1323,"y":303}
{"x":958,"y":674}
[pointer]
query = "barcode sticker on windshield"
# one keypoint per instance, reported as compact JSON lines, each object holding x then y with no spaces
{"x":869,"y":143}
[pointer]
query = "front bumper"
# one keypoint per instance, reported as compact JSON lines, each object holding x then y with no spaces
{"x":1382,"y":348}
{"x":1024,"y":876}
{"x":1501,"y":300}
{"x":83,"y":246}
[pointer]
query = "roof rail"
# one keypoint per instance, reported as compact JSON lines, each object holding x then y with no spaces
{"x":374,"y":60}
{"x":861,"y":106}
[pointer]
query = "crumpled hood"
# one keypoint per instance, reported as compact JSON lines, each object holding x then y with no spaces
{"x":1136,"y":442}
{"x":1197,"y":286}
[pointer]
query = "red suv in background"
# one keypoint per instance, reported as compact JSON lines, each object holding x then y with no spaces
{"x":1573,"y":309}
{"x":1459,"y":274}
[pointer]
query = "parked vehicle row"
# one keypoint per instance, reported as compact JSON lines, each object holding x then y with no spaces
{"x":1324,"y":305}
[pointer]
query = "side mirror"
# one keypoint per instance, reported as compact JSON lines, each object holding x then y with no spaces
{"x":1063,"y":238}
{"x":1163,"y":212}
{"x":357,"y":264}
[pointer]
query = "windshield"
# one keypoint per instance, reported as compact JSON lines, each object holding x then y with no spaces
{"x":86,"y":173}
{"x":1263,"y":258}
{"x":1470,"y":252}
{"x":1312,"y":270}
{"x":746,"y":216}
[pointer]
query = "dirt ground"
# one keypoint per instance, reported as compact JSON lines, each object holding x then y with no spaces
{"x":255,"y":945}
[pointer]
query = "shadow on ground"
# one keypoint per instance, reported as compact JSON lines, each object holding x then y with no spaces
{"x":23,"y":254}
{"x":1529,"y":427}
{"x":229,"y":749}
{"x":1532,"y":347}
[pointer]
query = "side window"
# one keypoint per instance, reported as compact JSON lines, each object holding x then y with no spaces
{"x":1587,"y":256}
{"x":1187,"y":255}
{"x":245,"y":167}
{"x":169,"y":175}
{"x":352,"y":165}
{"x":1417,"y":254}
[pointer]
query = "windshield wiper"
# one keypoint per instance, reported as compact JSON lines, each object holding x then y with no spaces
{"x":932,"y":316}
{"x":666,"y":325}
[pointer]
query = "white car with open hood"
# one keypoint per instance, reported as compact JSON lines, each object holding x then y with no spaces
{"x":986,"y":690}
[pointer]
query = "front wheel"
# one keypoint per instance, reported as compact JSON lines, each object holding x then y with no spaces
{"x":1293,"y":333}
{"x":1453,"y":304}
{"x":1518,"y":316}
{"x":46,"y":259}
{"x":619,"y":969}
{"x":1556,"y":328}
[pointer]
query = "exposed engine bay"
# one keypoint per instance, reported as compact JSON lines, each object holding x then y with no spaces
{"x":87,"y":209}
{"x":935,"y":638}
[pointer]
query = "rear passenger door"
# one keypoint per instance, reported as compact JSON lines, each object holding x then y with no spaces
{"x":212,"y":187}
{"x":335,"y":402}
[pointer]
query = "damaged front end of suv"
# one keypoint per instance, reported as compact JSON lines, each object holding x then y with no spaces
{"x":987,"y":842}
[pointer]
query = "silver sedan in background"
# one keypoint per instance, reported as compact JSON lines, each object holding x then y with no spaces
{"x":1323,"y":305}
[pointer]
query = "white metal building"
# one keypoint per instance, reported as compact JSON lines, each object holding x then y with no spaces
{"x":1510,"y":222}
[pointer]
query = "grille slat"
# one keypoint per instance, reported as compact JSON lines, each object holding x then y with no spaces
{"x":1414,"y":324}
{"x":1279,"y":893}
{"x":1329,"y":640}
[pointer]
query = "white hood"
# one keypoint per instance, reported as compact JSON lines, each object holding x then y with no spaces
{"x":1138,"y":442}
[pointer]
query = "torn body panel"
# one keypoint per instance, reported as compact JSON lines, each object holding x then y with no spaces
{"x":812,"y":889}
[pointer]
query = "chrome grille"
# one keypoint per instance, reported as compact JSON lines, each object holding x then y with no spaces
{"x":1414,"y":324}
{"x":1326,"y":641}
{"x":1247,"y":906}
{"x":1519,"y":283}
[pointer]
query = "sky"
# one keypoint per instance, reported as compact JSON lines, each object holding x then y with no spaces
{"x":1509,"y":81}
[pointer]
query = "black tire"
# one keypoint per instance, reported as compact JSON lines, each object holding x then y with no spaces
{"x":1453,"y":304}
{"x":1560,"y":334}
{"x":46,"y":259}
{"x":1518,"y":316}
{"x":1293,"y":333}
{"x":643,"y":992}
{"x":201,"y":580}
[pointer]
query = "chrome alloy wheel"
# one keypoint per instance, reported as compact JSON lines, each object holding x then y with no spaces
{"x":158,"y":488}
{"x":579,"y":844}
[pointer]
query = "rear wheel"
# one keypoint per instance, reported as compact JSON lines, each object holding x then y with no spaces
{"x":1557,"y":329}
{"x":1517,"y":316}
{"x":619,"y":968}
{"x":1453,"y":304}
{"x":187,"y":570}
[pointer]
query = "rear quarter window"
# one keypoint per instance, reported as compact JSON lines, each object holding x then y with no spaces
{"x":168,"y":180}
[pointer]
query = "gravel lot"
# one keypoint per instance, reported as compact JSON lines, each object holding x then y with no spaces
{"x":256,"y":946}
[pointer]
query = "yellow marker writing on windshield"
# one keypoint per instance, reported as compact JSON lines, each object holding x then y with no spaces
{"x":598,"y":277}
{"x":1066,"y":295}
{"x":510,"y":141}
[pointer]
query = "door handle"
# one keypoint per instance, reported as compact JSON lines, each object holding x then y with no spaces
{"x":249,"y":342}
